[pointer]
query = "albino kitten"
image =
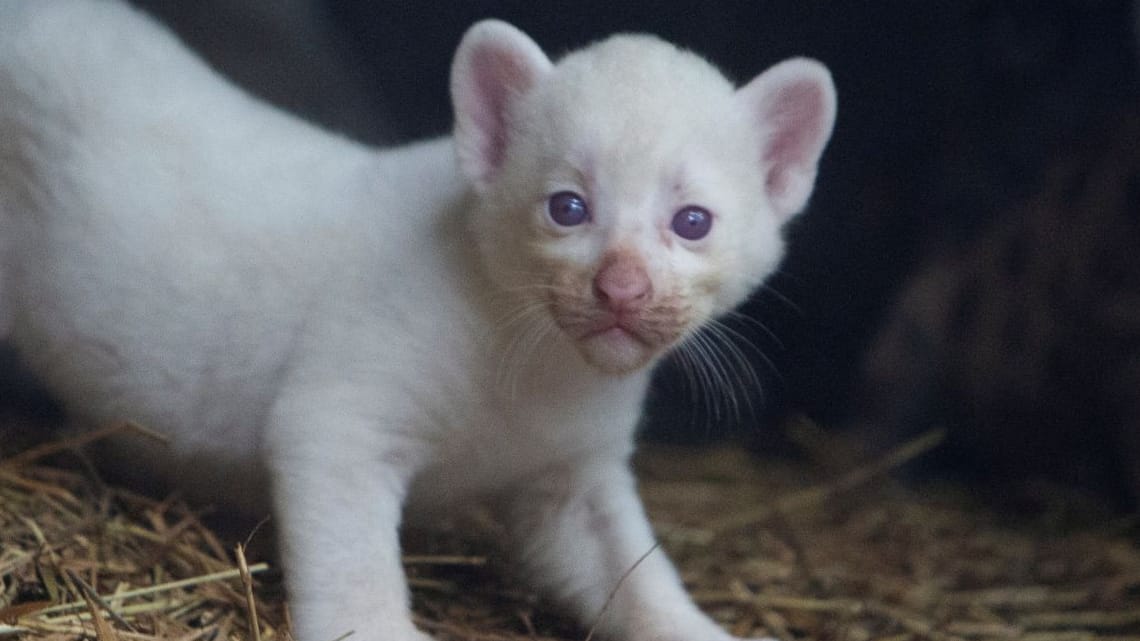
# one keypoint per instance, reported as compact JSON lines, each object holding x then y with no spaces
{"x":367,"y":329}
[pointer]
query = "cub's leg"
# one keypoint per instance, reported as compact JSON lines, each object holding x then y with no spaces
{"x":338,"y":487}
{"x":580,"y":529}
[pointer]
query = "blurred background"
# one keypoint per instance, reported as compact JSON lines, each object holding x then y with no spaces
{"x":971,"y":258}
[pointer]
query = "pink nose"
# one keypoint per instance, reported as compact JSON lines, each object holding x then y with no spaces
{"x":622,"y":283}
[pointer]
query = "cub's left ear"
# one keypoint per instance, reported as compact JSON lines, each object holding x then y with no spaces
{"x":494,"y":65}
{"x":793,"y":104}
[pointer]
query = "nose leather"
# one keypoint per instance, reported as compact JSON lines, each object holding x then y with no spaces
{"x":622,"y":283}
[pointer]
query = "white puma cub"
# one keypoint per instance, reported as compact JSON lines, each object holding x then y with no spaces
{"x":356,"y":330}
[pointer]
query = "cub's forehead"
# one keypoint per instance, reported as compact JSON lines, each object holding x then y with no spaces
{"x":642,"y":60}
{"x":636,"y":109}
{"x":633,"y":82}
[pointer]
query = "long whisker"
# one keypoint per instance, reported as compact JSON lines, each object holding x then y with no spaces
{"x":779,"y":296}
{"x":710,"y":368}
{"x":518,"y":312}
{"x":735,"y":371}
{"x":694,"y":381}
{"x":741,"y":317}
{"x":741,"y":342}
{"x":691,"y":362}
{"x":746,"y":382}
{"x":719,"y":360}
{"x":528,"y":327}
{"x":524,"y":327}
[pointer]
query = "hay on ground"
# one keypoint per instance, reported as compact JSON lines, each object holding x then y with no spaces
{"x":767,"y":547}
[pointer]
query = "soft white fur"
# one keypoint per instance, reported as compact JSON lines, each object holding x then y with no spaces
{"x":366,"y":329}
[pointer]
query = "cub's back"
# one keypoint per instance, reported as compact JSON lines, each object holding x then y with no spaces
{"x":160,"y":229}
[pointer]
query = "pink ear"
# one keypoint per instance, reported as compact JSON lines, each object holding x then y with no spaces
{"x":495,"y":63}
{"x":794,"y":106}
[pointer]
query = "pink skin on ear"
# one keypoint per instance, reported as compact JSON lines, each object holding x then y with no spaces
{"x":495,"y":63}
{"x":793,"y":103}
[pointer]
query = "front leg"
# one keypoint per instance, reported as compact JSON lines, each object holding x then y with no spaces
{"x":338,"y":487}
{"x":579,"y":530}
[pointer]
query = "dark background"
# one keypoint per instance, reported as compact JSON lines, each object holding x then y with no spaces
{"x":950,"y":114}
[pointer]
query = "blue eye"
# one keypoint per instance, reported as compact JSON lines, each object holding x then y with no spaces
{"x":567,"y":209}
{"x":692,"y":223}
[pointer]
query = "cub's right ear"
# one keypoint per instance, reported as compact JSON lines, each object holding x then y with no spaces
{"x":494,"y":65}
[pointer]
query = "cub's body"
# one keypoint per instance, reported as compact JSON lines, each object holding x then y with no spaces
{"x":361,"y":329}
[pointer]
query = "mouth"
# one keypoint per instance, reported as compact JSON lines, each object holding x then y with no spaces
{"x":617,"y":339}
{"x":614,"y":330}
{"x":615,"y":344}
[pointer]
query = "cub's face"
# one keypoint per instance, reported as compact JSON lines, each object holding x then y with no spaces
{"x":624,"y":198}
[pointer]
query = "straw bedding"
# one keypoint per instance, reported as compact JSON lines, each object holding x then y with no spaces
{"x":795,"y":550}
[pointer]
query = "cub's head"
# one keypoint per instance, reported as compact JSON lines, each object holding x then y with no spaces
{"x":629,"y":193}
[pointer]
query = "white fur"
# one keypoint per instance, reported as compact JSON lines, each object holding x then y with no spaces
{"x":291,"y":307}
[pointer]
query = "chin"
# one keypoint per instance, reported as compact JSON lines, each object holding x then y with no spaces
{"x":617,"y":352}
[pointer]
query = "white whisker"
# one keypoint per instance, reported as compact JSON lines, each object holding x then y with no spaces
{"x":523,"y":330}
{"x":708,"y":368}
{"x":739,"y":342}
{"x":746,"y":382}
{"x":741,"y":317}
{"x":719,"y":360}
{"x":783,"y":299}
{"x":696,"y":380}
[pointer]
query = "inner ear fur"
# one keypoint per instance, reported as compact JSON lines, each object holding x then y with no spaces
{"x":494,"y":65}
{"x":793,"y":103}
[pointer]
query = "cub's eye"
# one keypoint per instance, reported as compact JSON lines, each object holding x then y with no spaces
{"x":692,"y":223}
{"x":567,"y":209}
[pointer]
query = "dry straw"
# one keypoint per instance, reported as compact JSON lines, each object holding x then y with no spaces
{"x":769,"y":548}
